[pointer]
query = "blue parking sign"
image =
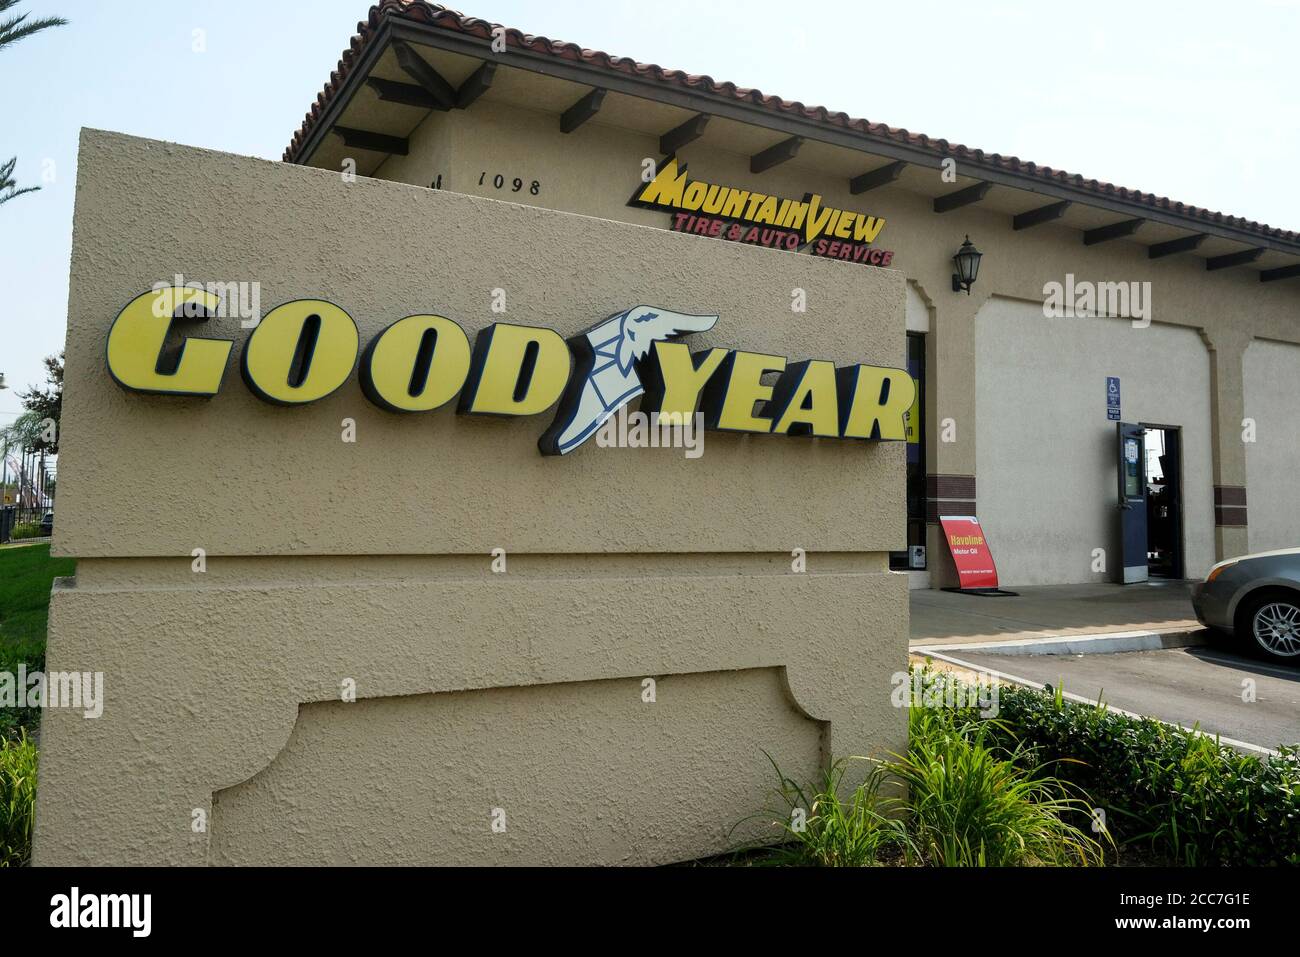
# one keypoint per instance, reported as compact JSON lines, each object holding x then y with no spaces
{"x":1112,"y":397}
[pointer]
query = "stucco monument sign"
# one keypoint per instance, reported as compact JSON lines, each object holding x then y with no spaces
{"x":344,"y":610}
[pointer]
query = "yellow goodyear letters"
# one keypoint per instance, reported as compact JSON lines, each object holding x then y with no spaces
{"x":805,"y":402}
{"x":137,"y":359}
{"x":874,"y":401}
{"x":300,"y":352}
{"x":415,"y":365}
{"x":730,"y":395}
{"x":304,"y":350}
{"x":674,"y":378}
{"x":516,"y":370}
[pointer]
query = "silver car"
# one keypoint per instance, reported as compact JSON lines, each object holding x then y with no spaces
{"x":1256,"y":599}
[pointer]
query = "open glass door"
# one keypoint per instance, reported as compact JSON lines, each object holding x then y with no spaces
{"x":1132,"y":501}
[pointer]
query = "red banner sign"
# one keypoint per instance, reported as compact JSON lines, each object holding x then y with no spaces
{"x":970,"y":551}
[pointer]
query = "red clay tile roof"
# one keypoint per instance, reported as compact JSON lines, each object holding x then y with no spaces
{"x":428,"y":13}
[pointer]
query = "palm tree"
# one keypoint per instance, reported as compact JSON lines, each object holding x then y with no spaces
{"x":8,"y":188}
{"x":13,"y":29}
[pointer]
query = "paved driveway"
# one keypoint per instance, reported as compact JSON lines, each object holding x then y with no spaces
{"x":1186,"y":686}
{"x":1052,"y":610}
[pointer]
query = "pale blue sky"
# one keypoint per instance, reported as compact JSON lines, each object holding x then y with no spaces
{"x":1194,"y":100}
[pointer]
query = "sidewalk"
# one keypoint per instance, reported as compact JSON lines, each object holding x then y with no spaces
{"x":1043,"y":611}
{"x":21,"y":542}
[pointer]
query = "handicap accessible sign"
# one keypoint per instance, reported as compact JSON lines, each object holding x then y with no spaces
{"x":1112,"y":397}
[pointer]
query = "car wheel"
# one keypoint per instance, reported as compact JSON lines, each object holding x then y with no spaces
{"x":1270,"y":625}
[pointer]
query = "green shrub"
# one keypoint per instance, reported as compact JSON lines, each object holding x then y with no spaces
{"x":822,"y":829}
{"x":12,"y":655}
{"x":1180,"y":793}
{"x":970,"y":801}
{"x":25,"y":530}
{"x":17,"y":800}
{"x":974,"y":803}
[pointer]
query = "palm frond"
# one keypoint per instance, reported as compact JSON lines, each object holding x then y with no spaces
{"x":17,"y":28}
{"x":8,"y":186}
{"x":6,"y":196}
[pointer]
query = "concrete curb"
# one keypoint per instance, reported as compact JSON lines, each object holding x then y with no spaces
{"x":1080,"y":644}
{"x":1238,"y":745}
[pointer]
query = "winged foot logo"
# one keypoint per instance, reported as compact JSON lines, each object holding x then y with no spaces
{"x":304,"y":350}
{"x":636,"y":354}
{"x":605,"y":376}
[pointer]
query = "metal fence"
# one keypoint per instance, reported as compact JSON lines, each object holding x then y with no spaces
{"x":26,"y":494}
{"x":17,"y":523}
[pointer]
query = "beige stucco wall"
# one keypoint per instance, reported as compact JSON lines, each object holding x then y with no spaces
{"x":595,"y":169}
{"x":1271,"y":372}
{"x":370,"y":562}
{"x":597,"y":734}
{"x":1046,"y":450}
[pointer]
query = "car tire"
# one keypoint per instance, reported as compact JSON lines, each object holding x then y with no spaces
{"x":1268,"y":625}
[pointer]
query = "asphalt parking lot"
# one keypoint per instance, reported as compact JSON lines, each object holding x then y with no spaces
{"x":1205,"y":686}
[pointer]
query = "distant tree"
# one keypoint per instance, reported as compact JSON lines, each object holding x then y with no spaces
{"x":23,"y":436}
{"x":23,"y":432}
{"x":47,"y":403}
{"x":13,"y":29}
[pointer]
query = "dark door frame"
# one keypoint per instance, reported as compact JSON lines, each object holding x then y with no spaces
{"x":1180,"y":567}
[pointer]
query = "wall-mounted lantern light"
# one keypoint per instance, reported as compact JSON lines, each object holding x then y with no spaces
{"x":967,"y":261}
